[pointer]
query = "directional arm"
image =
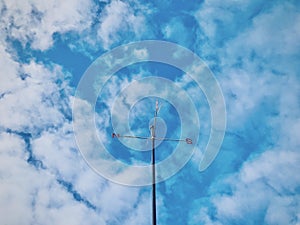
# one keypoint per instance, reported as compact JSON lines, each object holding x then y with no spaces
{"x":187,"y":140}
{"x":153,"y":138}
{"x":128,"y":136}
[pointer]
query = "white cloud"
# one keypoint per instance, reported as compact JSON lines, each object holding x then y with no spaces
{"x":283,"y":210}
{"x":118,"y":22}
{"x":202,"y":217}
{"x":122,"y":198}
{"x":264,"y":191}
{"x":244,"y":92}
{"x":118,"y":16}
{"x":9,"y":71}
{"x":177,"y":31}
{"x":38,"y":106}
{"x":141,"y":53}
{"x":266,"y":187}
{"x":36,"y":93}
{"x":267,"y":183}
{"x":271,"y":38}
{"x":249,"y":34}
{"x":257,"y":54}
{"x":260,"y":82}
{"x":138,"y":213}
{"x":28,"y":195}
{"x":35,"y":22}
{"x":56,"y":152}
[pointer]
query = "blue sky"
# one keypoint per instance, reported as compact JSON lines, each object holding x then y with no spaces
{"x":251,"y":47}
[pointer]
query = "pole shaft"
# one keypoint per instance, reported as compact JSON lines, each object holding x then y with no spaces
{"x":153,"y":185}
{"x":153,"y":169}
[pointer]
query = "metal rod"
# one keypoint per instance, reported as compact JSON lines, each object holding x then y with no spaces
{"x":153,"y":138}
{"x":153,"y":168}
{"x":153,"y":183}
{"x":156,"y":138}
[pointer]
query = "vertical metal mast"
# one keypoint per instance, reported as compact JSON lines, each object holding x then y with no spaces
{"x":153,"y":127}
{"x":153,"y":138}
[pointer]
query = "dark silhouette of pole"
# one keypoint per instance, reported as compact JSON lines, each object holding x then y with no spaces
{"x":153,"y":127}
{"x":153,"y":183}
{"x":153,"y":138}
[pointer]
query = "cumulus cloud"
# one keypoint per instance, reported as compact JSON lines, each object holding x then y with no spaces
{"x":33,"y":95}
{"x":262,"y":42}
{"x":31,"y":105}
{"x":30,"y":195}
{"x":257,"y":87}
{"x":40,"y":183}
{"x":257,"y":53}
{"x":38,"y":147}
{"x":265,"y":190}
{"x":35,"y":22}
{"x":44,"y":179}
{"x":118,"y":17}
{"x":251,"y":45}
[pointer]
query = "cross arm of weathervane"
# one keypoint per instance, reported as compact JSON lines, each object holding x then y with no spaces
{"x":187,"y":140}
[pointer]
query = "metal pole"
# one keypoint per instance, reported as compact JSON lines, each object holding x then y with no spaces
{"x":153,"y":138}
{"x":153,"y":168}
{"x":153,"y":184}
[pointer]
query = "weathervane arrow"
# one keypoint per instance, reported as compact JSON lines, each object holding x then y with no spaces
{"x":153,"y":138}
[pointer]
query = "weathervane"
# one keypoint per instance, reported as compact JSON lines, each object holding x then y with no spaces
{"x":153,"y":138}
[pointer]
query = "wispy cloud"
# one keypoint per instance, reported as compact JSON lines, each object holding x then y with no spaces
{"x":117,"y":18}
{"x":44,"y":179}
{"x":251,"y":46}
{"x":35,"y":23}
{"x":259,"y":88}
